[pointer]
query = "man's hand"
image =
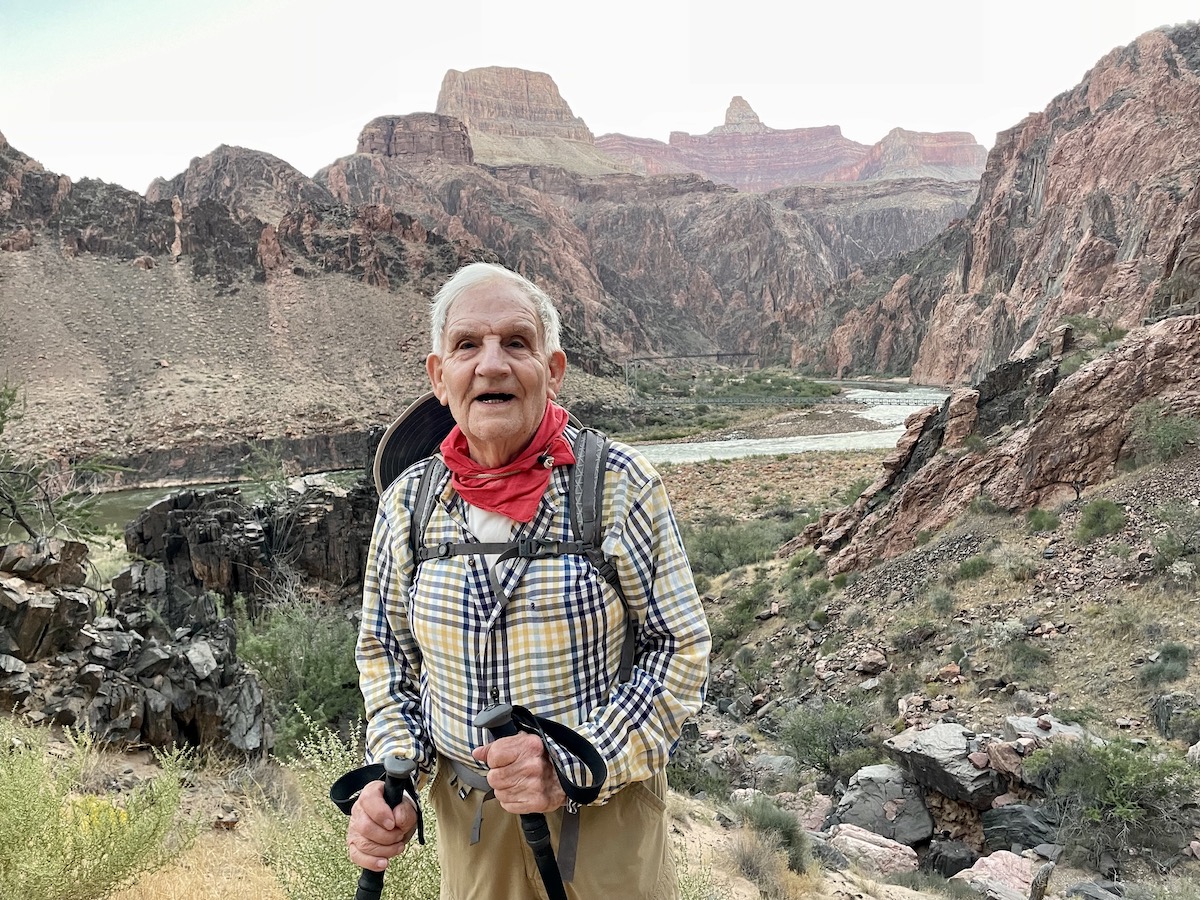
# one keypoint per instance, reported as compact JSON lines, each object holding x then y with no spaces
{"x":521,"y":774}
{"x":377,"y":832}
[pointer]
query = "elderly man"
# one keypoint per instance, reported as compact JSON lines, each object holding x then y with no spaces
{"x":445,"y":637}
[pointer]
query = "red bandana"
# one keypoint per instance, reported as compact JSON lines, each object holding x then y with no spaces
{"x":513,"y":490}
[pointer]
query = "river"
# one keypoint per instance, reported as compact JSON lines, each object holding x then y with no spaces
{"x":887,"y":407}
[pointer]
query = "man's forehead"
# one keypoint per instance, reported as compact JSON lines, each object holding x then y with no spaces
{"x":493,"y":305}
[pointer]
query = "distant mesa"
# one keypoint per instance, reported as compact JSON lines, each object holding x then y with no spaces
{"x":418,"y":137}
{"x":752,"y":156}
{"x":517,"y":117}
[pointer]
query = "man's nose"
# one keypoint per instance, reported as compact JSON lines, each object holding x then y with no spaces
{"x":493,"y":359}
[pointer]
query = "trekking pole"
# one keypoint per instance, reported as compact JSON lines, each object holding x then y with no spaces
{"x":497,"y":719}
{"x":397,"y":780}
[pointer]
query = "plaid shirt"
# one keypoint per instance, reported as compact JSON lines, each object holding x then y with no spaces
{"x":437,"y":648}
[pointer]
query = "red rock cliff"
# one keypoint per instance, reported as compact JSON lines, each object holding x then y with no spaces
{"x":516,"y":116}
{"x":751,"y":156}
{"x":1090,"y":208}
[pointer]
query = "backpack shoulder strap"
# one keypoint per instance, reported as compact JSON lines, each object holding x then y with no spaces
{"x":587,"y":525}
{"x":423,"y":507}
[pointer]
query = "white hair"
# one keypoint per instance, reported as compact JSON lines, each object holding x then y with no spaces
{"x":477,"y":273}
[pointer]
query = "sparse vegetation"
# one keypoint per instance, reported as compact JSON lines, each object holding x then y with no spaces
{"x":767,"y":818}
{"x":303,"y":651}
{"x":1117,"y":797}
{"x":1158,"y":435}
{"x":38,"y":500}
{"x":722,"y":544}
{"x":1100,"y":517}
{"x":1171,"y":665}
{"x":833,"y":739}
{"x":63,"y":837}
{"x":1039,"y":520}
{"x":971,"y":568}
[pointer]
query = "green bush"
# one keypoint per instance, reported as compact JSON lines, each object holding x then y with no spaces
{"x":723,"y":546}
{"x":830,"y":738}
{"x":1025,"y":656}
{"x":303,"y":651}
{"x":1181,"y":538}
{"x":971,"y":568}
{"x":1040,"y":520}
{"x":1171,"y":665}
{"x":1117,"y":797}
{"x":306,"y":848}
{"x":1100,"y":517}
{"x":1158,"y":435}
{"x":767,"y":818}
{"x":60,"y":839}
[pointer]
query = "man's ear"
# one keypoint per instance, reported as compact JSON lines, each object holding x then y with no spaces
{"x":558,"y":370}
{"x":433,"y":366}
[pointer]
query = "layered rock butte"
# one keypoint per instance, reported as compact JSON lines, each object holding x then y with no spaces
{"x":751,"y":156}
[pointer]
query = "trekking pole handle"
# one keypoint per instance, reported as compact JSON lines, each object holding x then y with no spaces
{"x":497,"y":719}
{"x":397,"y":776}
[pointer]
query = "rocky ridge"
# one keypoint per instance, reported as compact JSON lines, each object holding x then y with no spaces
{"x":1087,"y":210}
{"x":745,"y":153}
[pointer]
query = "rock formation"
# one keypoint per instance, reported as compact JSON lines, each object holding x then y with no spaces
{"x":1089,"y":209}
{"x":751,"y":156}
{"x":127,"y":677}
{"x":1024,"y":410}
{"x":948,"y":155}
{"x":517,"y":116}
{"x":418,"y":138}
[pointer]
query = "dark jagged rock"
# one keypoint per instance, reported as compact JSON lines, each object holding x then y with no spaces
{"x":164,"y":688}
{"x":1017,"y":827}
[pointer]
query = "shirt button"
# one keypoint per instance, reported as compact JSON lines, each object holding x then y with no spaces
{"x":471,"y":561}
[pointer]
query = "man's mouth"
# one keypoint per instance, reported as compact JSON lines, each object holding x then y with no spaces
{"x":495,"y":397}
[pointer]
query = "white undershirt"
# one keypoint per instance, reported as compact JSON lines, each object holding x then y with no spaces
{"x":490,"y":527}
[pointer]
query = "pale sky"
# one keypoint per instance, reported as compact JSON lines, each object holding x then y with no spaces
{"x":129,"y":90}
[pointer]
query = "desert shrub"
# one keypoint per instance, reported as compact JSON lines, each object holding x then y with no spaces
{"x":1100,"y":517}
{"x":971,"y":568}
{"x":767,"y":818}
{"x":805,"y":564}
{"x":306,"y":848}
{"x":1171,"y":665}
{"x":303,"y":651}
{"x":1159,"y":435}
{"x":833,"y":739}
{"x":696,"y":882}
{"x":60,"y":840}
{"x":1181,"y":538}
{"x":724,"y":545}
{"x":941,"y":601}
{"x":986,"y":506}
{"x":1025,"y":656}
{"x":1117,"y":797}
{"x":1039,"y":520}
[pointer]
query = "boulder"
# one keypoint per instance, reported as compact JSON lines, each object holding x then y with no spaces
{"x":872,"y":851}
{"x":948,"y":858}
{"x":1002,"y":875}
{"x":879,"y":799}
{"x":1017,"y":827}
{"x":938,"y":758}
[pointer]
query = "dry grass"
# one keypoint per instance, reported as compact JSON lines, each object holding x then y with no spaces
{"x":219,"y":866}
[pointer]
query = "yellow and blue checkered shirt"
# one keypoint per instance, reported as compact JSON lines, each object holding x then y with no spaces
{"x":437,"y":646}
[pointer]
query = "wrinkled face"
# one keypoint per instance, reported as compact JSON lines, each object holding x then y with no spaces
{"x":493,"y":373}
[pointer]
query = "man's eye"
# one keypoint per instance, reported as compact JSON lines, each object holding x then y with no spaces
{"x":464,"y":345}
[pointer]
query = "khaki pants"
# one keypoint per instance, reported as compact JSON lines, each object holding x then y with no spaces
{"x":624,"y":847}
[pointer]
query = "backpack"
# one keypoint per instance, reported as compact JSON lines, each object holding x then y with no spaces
{"x":585,"y":492}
